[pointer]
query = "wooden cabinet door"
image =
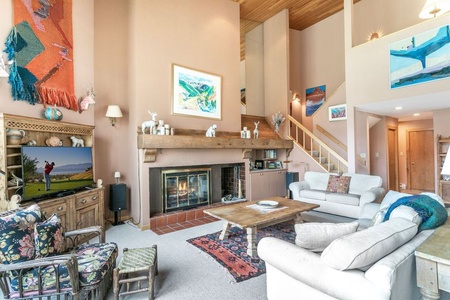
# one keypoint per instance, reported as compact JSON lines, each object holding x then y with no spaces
{"x":259,"y":186}
{"x":278,"y":184}
{"x":87,"y":216}
{"x":60,"y":208}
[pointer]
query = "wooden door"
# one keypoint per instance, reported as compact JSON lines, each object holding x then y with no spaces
{"x":393,"y":161}
{"x":421,"y":160}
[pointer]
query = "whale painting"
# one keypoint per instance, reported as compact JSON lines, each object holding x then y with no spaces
{"x":421,"y":58}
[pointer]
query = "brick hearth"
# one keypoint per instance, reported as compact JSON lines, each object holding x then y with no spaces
{"x":178,"y":220}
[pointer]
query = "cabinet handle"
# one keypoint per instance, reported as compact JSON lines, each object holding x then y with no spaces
{"x":83,"y":201}
{"x":60,"y":208}
{"x":79,"y":224}
{"x":94,"y":197}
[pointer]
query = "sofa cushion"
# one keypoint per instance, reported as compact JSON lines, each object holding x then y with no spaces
{"x":317,"y":180}
{"x":361,"y":183}
{"x":317,"y":236}
{"x":391,"y":197}
{"x":94,"y":260}
{"x":313,"y":194}
{"x":16,"y":235}
{"x":362,"y":248}
{"x":48,"y":237}
{"x":347,"y":199}
{"x":338,"y":184}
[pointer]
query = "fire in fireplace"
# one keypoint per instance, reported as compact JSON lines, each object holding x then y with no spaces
{"x":185,"y":188}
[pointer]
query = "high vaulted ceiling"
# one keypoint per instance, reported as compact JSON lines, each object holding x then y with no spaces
{"x":302,"y":13}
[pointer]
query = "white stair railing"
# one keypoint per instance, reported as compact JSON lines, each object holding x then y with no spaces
{"x":311,"y":145}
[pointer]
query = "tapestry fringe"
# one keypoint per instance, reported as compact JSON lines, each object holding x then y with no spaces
{"x":49,"y":96}
{"x":19,"y":90}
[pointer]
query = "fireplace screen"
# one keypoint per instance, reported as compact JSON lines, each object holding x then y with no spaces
{"x":183,"y":189}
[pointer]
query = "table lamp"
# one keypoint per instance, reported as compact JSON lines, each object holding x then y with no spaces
{"x":445,"y":172}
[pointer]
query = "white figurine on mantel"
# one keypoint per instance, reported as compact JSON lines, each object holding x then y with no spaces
{"x":256,"y":131}
{"x":211,"y":132}
{"x":149,"y":124}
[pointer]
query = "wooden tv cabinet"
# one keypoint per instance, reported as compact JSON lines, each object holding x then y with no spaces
{"x":80,"y":210}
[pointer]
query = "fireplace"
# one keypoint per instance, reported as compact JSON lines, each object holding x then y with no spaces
{"x":208,"y":184}
{"x":185,"y":188}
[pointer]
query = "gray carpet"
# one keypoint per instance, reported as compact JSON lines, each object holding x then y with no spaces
{"x":185,"y":272}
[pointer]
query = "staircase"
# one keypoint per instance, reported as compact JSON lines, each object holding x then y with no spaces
{"x":325,"y":157}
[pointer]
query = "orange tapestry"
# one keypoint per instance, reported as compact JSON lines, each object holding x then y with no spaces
{"x":41,"y":49}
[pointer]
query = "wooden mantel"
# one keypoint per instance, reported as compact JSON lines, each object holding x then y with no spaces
{"x":151,"y":143}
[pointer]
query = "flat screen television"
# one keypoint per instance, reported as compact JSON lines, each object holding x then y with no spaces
{"x":71,"y":170}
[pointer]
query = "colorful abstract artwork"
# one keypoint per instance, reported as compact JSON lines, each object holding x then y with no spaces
{"x":337,"y":112}
{"x":196,"y":93}
{"x":315,"y":97}
{"x":40,"y":50}
{"x":420,"y":58}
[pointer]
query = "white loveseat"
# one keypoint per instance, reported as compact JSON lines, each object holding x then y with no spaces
{"x":296,"y":273}
{"x":363,"y":189}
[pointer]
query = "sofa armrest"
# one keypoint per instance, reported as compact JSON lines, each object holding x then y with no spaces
{"x":73,"y":238}
{"x":307,"y":267}
{"x":374,"y":194}
{"x":67,"y":260}
{"x":296,"y":187}
{"x":369,"y":210}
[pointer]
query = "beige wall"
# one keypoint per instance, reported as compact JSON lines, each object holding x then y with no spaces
{"x":254,"y":71}
{"x":151,"y":36}
{"x":383,"y":16}
{"x":83,"y":37}
{"x":276,"y":66}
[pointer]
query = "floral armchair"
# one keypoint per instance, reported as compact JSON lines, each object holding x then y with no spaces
{"x":39,"y":260}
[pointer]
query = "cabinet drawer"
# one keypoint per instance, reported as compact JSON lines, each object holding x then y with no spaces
{"x":59,"y":209}
{"x":86,"y":200}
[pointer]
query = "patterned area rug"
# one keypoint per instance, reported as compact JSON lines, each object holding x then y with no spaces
{"x":232,"y":254}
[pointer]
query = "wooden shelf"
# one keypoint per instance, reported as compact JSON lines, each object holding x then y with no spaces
{"x":153,"y":142}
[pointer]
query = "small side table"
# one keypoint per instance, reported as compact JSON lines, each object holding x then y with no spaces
{"x":136,"y":260}
{"x":433,"y":263}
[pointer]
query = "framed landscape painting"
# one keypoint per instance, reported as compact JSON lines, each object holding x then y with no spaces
{"x":196,"y":93}
{"x":420,"y":58}
{"x":315,"y":97}
{"x":337,"y":112}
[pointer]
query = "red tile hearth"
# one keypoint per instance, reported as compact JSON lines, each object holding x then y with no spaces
{"x":178,"y":220}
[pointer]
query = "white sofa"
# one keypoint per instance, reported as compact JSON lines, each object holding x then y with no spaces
{"x":363,"y":189}
{"x":296,"y":273}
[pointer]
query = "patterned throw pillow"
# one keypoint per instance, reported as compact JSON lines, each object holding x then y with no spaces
{"x":338,"y":184}
{"x":16,"y":235}
{"x":48,"y":237}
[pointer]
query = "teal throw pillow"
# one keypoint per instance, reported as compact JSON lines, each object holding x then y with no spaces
{"x":48,"y":237}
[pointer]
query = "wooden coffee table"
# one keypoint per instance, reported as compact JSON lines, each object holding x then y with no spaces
{"x":250,"y":219}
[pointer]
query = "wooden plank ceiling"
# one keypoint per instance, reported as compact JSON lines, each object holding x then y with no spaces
{"x":302,"y":13}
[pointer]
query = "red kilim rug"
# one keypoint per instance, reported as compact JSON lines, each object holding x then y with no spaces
{"x":232,"y":254}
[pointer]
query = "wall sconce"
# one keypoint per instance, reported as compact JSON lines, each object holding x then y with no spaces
{"x":445,"y":172}
{"x":113,"y":112}
{"x":296,"y":97}
{"x":117,"y":176}
{"x":3,"y":71}
{"x":434,"y":8}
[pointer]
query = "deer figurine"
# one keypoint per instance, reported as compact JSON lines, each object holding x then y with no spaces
{"x":149,"y":124}
{"x":256,"y":131}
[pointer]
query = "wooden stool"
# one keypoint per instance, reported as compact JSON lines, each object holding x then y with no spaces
{"x":136,"y":260}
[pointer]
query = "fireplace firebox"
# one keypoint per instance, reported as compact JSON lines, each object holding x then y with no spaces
{"x":185,"y":188}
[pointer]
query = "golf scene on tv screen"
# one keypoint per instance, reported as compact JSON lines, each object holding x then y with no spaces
{"x":51,"y":170}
